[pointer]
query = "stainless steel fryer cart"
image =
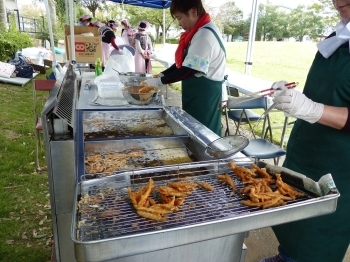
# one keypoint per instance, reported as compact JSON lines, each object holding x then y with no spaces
{"x":64,"y":138}
{"x":209,"y":226}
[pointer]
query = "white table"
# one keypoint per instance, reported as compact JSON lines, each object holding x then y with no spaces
{"x":17,"y":80}
{"x":87,"y":95}
{"x":246,"y":84}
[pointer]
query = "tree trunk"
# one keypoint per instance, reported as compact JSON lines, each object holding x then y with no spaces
{"x":3,"y":20}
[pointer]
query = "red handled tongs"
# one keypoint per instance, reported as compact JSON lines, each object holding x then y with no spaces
{"x":258,"y":94}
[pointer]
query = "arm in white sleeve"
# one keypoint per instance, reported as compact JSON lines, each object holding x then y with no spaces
{"x":138,"y":46}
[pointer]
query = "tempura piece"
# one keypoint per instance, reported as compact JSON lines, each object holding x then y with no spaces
{"x":286,"y":189}
{"x":146,"y":89}
{"x":156,"y":217}
{"x":227,"y":179}
{"x":205,"y":185}
{"x":182,"y":186}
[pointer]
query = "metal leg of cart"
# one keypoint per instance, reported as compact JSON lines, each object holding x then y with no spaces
{"x":244,"y":253}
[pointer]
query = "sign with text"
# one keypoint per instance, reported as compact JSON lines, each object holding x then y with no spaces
{"x":87,"y":48}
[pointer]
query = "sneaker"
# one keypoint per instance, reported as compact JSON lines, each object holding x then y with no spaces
{"x":276,"y":258}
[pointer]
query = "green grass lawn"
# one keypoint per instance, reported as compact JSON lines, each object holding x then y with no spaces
{"x":25,"y":215}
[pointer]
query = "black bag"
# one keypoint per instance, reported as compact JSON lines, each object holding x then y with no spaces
{"x":24,"y":70}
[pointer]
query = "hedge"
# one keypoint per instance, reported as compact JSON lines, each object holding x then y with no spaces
{"x":12,"y":41}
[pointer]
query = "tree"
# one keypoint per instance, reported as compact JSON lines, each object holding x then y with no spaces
{"x":153,"y":16}
{"x":326,"y":10}
{"x":271,"y":23}
{"x":231,"y":18}
{"x":305,"y":22}
{"x":92,"y":5}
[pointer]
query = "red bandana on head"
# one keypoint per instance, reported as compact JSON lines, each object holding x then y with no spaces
{"x":186,"y":37}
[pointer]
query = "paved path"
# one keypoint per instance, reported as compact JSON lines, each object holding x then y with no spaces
{"x":261,"y":243}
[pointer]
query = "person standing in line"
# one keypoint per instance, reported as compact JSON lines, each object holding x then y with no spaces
{"x":200,"y":61}
{"x":108,"y":38}
{"x":127,"y":32}
{"x":144,"y":50}
{"x":319,"y":144}
{"x":85,"y":20}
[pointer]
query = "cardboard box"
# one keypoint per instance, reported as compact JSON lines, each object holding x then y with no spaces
{"x":86,"y":48}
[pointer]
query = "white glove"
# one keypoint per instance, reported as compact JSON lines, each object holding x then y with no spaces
{"x":160,"y":75}
{"x":280,"y":85}
{"x":154,"y":82}
{"x":298,"y":105}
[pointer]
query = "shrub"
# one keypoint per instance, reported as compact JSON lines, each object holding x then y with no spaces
{"x":172,"y":40}
{"x":12,"y":41}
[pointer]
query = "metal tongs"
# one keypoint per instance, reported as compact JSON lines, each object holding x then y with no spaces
{"x":268,"y":110}
{"x":258,"y":94}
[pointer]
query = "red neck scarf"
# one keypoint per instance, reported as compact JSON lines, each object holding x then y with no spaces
{"x":186,"y":37}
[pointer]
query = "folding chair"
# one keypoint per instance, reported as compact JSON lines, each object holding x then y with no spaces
{"x":39,"y":85}
{"x":240,"y":112}
{"x":259,"y":148}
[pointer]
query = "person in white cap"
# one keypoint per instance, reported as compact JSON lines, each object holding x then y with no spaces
{"x":127,"y":32}
{"x":108,"y":38}
{"x":143,"y":46}
{"x":85,"y":20}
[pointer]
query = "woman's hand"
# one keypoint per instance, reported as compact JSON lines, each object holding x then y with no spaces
{"x":298,"y":105}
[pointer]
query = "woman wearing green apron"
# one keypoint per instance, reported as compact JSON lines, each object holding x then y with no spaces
{"x":320,"y":144}
{"x":199,"y":64}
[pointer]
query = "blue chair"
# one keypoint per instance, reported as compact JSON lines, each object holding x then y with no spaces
{"x":239,"y":110}
{"x":262,"y":149}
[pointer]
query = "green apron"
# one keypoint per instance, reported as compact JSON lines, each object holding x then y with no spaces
{"x":315,"y":150}
{"x":201,"y":98}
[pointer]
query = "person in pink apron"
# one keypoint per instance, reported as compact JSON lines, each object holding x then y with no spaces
{"x":108,"y":38}
{"x":127,"y":32}
{"x":144,"y":50}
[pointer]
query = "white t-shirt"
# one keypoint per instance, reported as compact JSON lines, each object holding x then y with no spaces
{"x":206,"y":55}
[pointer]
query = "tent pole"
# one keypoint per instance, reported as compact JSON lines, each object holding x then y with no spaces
{"x":251,"y":39}
{"x":163,"y":34}
{"x":71,"y":23}
{"x":52,"y":42}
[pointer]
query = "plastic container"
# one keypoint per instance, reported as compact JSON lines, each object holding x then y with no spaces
{"x":110,"y":89}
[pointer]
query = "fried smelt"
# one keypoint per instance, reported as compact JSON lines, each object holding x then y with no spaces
{"x":146,"y":89}
{"x":168,"y":191}
{"x":182,"y":186}
{"x":147,"y":192}
{"x":205,"y":185}
{"x":227,"y":179}
{"x":156,"y":217}
{"x":166,"y":200}
{"x":286,"y":189}
{"x":261,"y":172}
{"x":230,"y":181}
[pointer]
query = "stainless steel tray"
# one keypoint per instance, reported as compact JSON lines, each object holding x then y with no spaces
{"x":123,"y":124}
{"x":205,"y":215}
{"x":116,"y":155}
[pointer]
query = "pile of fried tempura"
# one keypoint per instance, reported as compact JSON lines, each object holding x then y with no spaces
{"x":258,"y":187}
{"x":171,"y":196}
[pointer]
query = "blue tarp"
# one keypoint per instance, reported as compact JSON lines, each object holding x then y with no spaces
{"x":160,"y":4}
